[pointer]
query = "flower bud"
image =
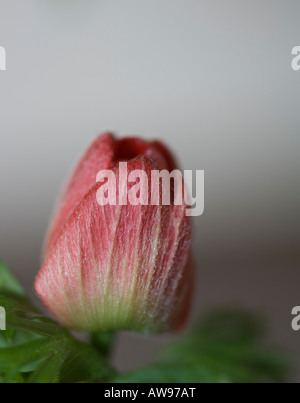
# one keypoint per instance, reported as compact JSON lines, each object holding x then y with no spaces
{"x":123,"y":265}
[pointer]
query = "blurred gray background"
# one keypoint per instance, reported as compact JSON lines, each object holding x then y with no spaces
{"x":213,"y":79}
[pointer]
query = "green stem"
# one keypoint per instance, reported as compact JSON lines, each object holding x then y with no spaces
{"x":104,"y":342}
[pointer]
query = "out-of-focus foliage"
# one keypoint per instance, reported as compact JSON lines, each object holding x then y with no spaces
{"x":224,"y":348}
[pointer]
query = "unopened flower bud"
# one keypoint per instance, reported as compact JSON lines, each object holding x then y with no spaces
{"x":118,"y":265}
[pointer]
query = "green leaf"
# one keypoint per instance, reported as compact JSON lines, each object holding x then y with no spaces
{"x":170,"y":373}
{"x":8,"y":283}
{"x":231,"y":325}
{"x":49,"y":369}
{"x":85,"y":364}
{"x":20,"y":315}
{"x":13,"y":360}
{"x":228,"y":343}
{"x":224,"y":348}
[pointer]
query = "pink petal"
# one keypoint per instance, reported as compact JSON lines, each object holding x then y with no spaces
{"x":121,"y":267}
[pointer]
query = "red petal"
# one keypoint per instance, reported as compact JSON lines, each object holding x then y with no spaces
{"x":98,"y":157}
{"x":119,"y":266}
